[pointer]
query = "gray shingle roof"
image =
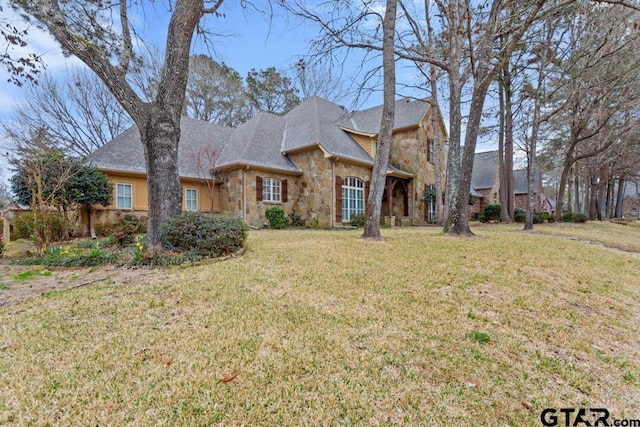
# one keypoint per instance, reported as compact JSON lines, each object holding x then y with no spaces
{"x":407,"y":113}
{"x":318,"y":121}
{"x":263,"y":140}
{"x":485,"y":167}
{"x":520,"y":178}
{"x":258,"y":142}
{"x":125,"y":152}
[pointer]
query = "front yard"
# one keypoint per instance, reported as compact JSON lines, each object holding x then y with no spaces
{"x":322,"y":328}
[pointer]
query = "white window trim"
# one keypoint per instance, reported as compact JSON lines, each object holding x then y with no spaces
{"x":130,"y":185}
{"x":186,"y":199}
{"x":272,"y":196}
{"x":356,"y":185}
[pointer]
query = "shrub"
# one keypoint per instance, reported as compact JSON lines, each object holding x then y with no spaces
{"x":42,"y":229}
{"x":492,"y":212}
{"x":567,"y":216}
{"x":204,"y":235}
{"x":276,"y":217}
{"x":580,"y":218}
{"x":295,"y":220}
{"x":542,"y":218}
{"x":519,"y":215}
{"x":357,"y":220}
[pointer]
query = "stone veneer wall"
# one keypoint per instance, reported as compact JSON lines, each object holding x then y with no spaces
{"x":314,"y":200}
{"x":409,"y":153}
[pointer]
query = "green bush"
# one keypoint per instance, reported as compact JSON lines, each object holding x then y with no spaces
{"x":204,"y":235}
{"x":276,"y":217}
{"x":357,"y":220}
{"x":519,"y":215}
{"x":42,"y":229}
{"x":580,"y":218}
{"x":491,"y":212}
{"x":542,"y":218}
{"x":295,"y":220}
{"x":567,"y":216}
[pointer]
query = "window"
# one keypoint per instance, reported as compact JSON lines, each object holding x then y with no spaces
{"x":431,"y":204}
{"x":191,"y":199}
{"x":271,"y":190}
{"x":124,"y":196}
{"x":431,"y":144}
{"x":352,"y":198}
{"x":634,"y":212}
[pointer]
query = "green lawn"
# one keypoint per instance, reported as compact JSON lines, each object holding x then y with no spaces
{"x":322,"y":328}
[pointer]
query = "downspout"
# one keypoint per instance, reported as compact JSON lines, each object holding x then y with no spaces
{"x":244,"y":195}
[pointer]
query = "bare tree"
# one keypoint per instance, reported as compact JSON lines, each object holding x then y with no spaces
{"x":78,"y":111}
{"x":315,"y":77}
{"x":103,"y":37}
{"x":475,"y":42}
{"x":205,"y":160}
{"x":595,"y":94}
{"x":383,"y":144}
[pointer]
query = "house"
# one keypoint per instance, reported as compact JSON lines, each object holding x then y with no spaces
{"x":315,"y":160}
{"x":631,"y":200}
{"x":485,"y":184}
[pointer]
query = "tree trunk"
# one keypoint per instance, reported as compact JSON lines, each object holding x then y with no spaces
{"x":509,"y":199}
{"x":92,"y":221}
{"x":504,"y":211}
{"x":383,"y":145}
{"x":593,"y":198}
{"x":160,"y":140}
{"x":435,"y":124}
{"x":602,"y":193}
{"x":158,"y":121}
{"x":620,"y":198}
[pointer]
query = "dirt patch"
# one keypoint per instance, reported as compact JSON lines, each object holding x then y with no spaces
{"x":19,"y":282}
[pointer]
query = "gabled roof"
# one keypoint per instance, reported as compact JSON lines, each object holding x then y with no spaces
{"x":520,"y":178}
{"x":258,"y":142}
{"x":126,"y":153}
{"x":631,"y":189}
{"x":318,"y":122}
{"x":408,"y":113}
{"x":265,"y":140}
{"x":485,"y":167}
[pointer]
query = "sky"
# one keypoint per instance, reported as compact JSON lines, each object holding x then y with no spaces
{"x":243,"y":39}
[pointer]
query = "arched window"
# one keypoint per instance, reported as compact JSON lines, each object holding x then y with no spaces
{"x":352,"y":197}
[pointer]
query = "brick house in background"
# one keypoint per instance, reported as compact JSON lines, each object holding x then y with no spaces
{"x":315,"y":160}
{"x":631,"y":201}
{"x":485,"y":184}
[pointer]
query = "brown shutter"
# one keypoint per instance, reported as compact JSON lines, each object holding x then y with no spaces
{"x":259,"y":188}
{"x":284,"y":191}
{"x":338,"y":199}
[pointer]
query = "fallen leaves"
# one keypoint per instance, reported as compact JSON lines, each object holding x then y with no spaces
{"x":227,"y":378}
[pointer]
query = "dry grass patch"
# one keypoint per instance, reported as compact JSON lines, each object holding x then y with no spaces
{"x":321,"y":328}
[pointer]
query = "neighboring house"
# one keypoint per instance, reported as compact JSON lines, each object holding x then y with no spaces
{"x":316,"y":160}
{"x":631,"y":201}
{"x":548,"y":205}
{"x":485,"y":184}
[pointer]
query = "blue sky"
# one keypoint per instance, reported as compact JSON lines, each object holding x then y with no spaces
{"x":244,"y":40}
